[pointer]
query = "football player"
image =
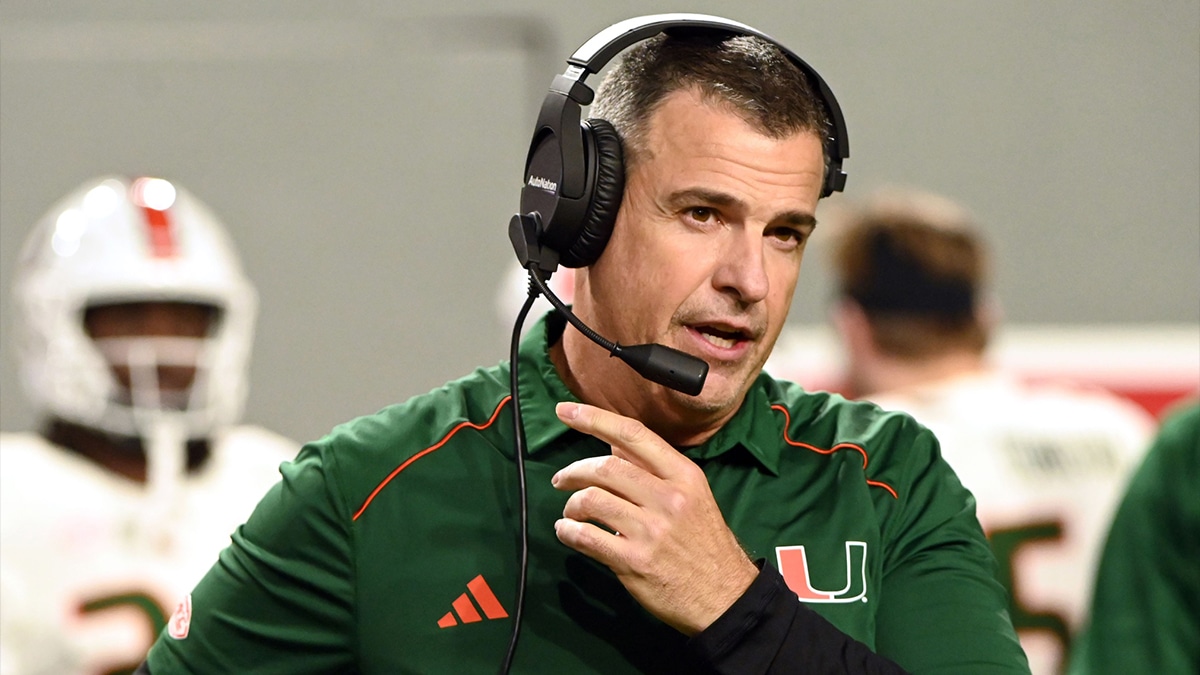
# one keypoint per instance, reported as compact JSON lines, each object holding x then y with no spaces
{"x":134,"y":328}
{"x":1046,"y":460}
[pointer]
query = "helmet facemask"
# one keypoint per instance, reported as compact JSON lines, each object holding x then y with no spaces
{"x":106,"y":245}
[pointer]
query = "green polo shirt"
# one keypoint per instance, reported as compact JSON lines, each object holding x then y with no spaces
{"x":391,"y":545}
{"x":1144,"y":615}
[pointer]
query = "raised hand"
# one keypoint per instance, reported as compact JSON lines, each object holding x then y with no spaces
{"x":666,"y":540}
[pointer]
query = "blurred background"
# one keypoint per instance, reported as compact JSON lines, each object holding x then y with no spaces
{"x":367,"y":155}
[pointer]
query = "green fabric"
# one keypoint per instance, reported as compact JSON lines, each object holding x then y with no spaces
{"x":1145,"y":615}
{"x":306,"y":587}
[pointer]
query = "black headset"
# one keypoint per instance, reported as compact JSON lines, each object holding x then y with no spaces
{"x":574,"y":172}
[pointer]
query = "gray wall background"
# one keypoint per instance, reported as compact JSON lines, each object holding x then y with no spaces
{"x":366,"y":155}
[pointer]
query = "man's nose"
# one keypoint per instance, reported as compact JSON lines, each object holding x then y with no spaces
{"x":741,"y":270}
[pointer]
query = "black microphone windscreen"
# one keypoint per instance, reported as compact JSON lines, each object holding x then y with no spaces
{"x":668,"y":367}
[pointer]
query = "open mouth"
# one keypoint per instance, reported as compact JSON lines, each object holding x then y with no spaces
{"x":725,"y":339}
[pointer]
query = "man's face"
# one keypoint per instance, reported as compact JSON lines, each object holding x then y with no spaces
{"x":706,"y":250}
{"x":107,"y":324}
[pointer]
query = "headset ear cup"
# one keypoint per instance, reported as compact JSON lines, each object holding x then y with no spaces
{"x":607,"y":190}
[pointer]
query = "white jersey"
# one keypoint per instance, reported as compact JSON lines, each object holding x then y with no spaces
{"x":87,"y":579}
{"x":1047,"y":464}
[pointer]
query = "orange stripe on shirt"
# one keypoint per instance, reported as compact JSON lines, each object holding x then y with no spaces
{"x":830,"y":451}
{"x":426,"y":451}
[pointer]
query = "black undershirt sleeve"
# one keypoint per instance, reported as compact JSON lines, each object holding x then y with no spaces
{"x":768,"y":631}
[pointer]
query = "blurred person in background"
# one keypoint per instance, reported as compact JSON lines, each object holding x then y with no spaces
{"x":1145,"y":613}
{"x":1046,"y":461}
{"x":134,"y":328}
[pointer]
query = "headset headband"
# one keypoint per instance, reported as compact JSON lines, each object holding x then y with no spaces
{"x":594,"y":54}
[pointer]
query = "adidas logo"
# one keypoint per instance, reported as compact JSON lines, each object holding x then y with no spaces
{"x":478,"y":589}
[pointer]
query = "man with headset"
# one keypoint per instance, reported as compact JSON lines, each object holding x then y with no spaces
{"x":568,"y":512}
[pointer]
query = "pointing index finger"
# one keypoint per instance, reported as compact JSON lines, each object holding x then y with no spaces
{"x":629,"y":438}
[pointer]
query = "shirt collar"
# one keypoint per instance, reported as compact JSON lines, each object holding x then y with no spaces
{"x":754,"y":427}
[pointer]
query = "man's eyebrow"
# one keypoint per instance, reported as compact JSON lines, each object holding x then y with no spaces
{"x":692,"y":196}
{"x":799,"y":219}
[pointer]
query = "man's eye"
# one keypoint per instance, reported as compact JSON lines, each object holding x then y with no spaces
{"x":702,"y":214}
{"x":788,"y":235}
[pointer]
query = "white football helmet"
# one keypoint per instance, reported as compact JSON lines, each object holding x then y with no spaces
{"x":117,"y":240}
